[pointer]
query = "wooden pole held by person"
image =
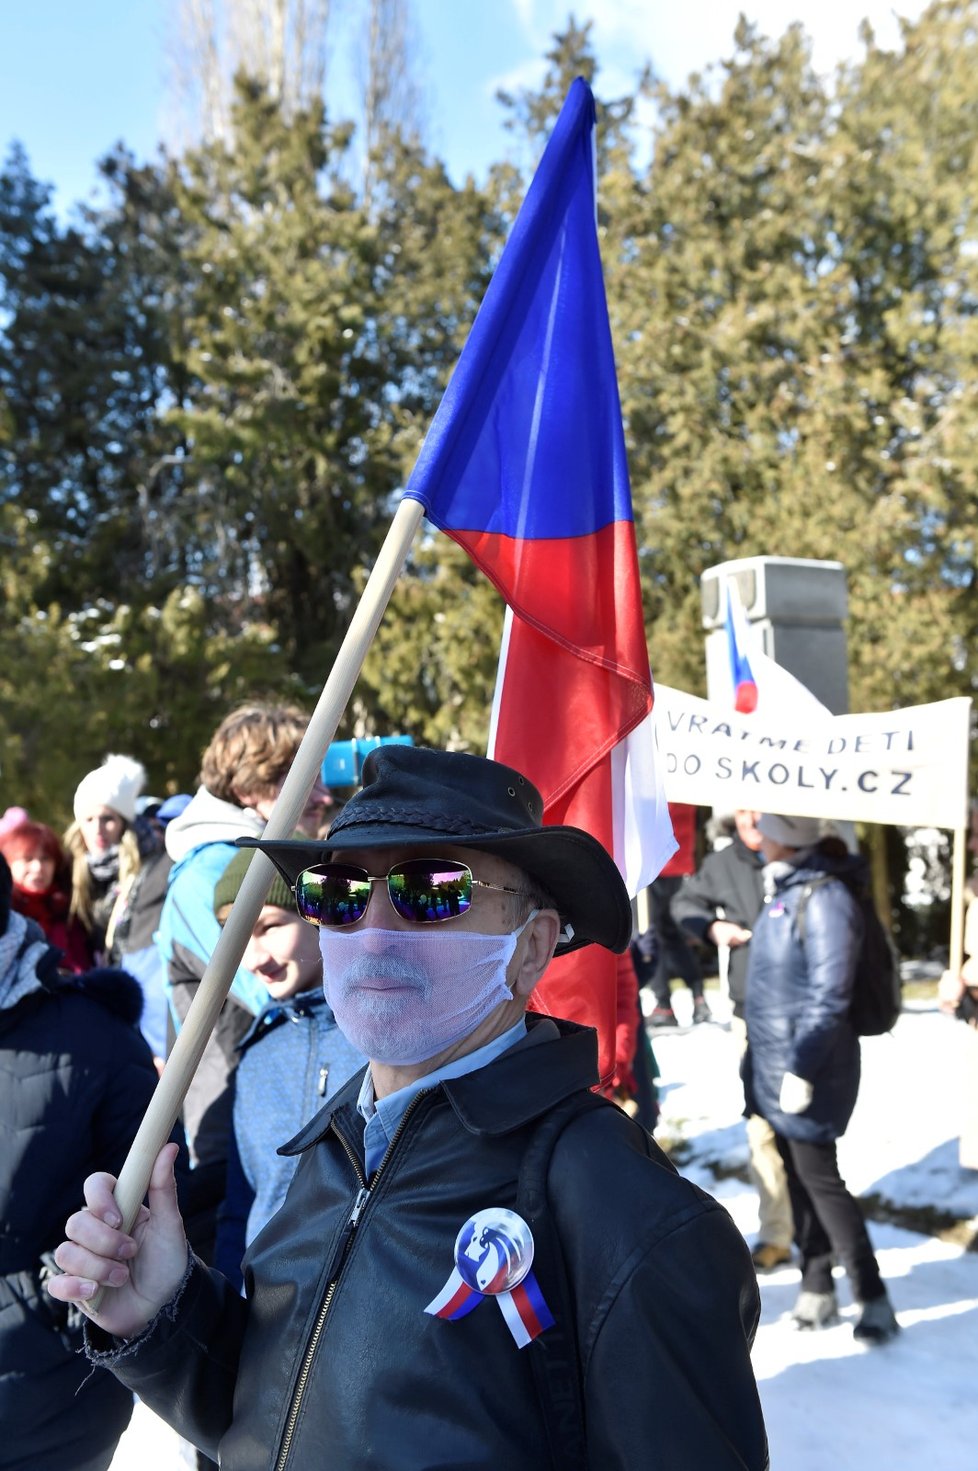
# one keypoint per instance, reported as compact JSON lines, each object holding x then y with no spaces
{"x":956,"y":948}
{"x":212,"y":992}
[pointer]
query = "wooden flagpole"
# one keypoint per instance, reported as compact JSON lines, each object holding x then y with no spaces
{"x":956,"y":948}
{"x":216,"y":981}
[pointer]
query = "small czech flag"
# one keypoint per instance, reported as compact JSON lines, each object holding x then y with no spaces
{"x":741,"y":674}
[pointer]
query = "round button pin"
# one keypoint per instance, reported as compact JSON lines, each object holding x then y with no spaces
{"x":494,"y":1251}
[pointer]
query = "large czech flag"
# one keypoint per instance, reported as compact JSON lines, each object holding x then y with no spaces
{"x":524,"y":466}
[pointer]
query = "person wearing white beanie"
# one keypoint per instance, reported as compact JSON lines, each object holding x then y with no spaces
{"x":116,"y":784}
{"x":119,"y":878}
{"x":790,"y":832}
{"x":103,"y":847}
{"x":802,"y":1065}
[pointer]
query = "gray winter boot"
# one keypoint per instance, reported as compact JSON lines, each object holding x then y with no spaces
{"x":877,"y":1321}
{"x":815,"y":1309}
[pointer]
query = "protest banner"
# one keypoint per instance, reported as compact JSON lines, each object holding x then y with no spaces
{"x":908,"y":767}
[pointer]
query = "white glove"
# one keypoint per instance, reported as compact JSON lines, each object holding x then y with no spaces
{"x":796,"y":1094}
{"x":950,"y":990}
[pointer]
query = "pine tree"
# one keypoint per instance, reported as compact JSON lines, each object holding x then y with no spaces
{"x":786,"y":288}
{"x":82,"y":366}
{"x":317,"y":339}
{"x":287,"y":471}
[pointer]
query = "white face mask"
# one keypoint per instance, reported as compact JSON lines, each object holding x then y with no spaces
{"x":402,"y":996}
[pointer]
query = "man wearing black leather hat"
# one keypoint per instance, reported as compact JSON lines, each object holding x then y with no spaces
{"x":479,"y":1263}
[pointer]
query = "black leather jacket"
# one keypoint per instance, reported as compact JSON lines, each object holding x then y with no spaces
{"x":332,"y":1362}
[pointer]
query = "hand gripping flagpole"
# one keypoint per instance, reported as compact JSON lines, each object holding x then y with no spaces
{"x":215,"y":983}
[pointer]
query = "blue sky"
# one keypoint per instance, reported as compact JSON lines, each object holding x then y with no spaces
{"x":76,"y":76}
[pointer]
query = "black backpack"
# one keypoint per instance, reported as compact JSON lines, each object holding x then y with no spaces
{"x":876,"y":991}
{"x":554,"y":1357}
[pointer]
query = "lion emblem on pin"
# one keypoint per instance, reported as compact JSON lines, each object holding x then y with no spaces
{"x":494,"y":1251}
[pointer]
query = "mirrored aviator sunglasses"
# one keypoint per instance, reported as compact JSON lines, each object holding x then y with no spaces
{"x":422,"y":890}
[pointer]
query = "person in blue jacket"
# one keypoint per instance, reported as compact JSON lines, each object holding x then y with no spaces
{"x":242,"y":771}
{"x":801,"y":1069}
{"x":292,"y":1060}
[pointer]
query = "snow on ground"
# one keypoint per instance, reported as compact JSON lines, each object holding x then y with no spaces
{"x":830,"y":1404}
{"x":901,"y":1143}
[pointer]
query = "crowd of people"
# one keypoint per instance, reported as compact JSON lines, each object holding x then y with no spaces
{"x":382,"y":1133}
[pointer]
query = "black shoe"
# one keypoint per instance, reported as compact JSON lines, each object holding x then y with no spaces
{"x":701,"y":1011}
{"x":663,"y":1016}
{"x":877,"y":1322}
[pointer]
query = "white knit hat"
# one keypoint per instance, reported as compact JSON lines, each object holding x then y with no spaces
{"x":792,"y":832}
{"x":116,"y":784}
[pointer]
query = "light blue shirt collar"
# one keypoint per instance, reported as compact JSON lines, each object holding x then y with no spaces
{"x":383,"y":1115}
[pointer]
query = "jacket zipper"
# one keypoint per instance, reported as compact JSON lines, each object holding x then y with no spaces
{"x":339,"y":1257}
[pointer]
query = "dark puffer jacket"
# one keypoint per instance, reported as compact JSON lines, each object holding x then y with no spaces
{"x":798,"y":997}
{"x":333,"y":1361}
{"x":75,"y":1079}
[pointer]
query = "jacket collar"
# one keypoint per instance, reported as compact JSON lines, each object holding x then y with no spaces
{"x":295,"y":1009}
{"x":209,"y":819}
{"x":23,"y":948}
{"x":745,"y":854}
{"x":555,"y":1058}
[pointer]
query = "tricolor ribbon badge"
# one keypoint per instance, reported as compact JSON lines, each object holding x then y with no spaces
{"x":493,"y":1258}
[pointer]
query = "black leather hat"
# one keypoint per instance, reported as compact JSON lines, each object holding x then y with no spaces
{"x":433,"y":799}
